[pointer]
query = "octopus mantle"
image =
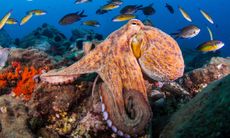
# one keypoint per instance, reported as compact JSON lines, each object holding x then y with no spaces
{"x":120,"y":60}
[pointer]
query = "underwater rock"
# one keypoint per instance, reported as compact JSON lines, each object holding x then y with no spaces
{"x":4,"y":52}
{"x":195,"y":80}
{"x":81,"y":35}
{"x":195,"y":59}
{"x":207,"y":115}
{"x":5,"y":39}
{"x":31,"y":57}
{"x":13,"y":118}
{"x":54,"y":98}
{"x":46,"y":38}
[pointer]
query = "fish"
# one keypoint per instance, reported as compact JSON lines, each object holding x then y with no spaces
{"x":207,"y":16}
{"x":100,"y":11}
{"x":110,"y":6}
{"x":37,"y":12}
{"x":130,"y":9}
{"x":5,"y":18}
{"x":118,"y":2}
{"x":212,"y":45}
{"x":92,"y":23}
{"x":11,"y":21}
{"x":72,"y":18}
{"x":187,"y":32}
{"x":185,"y":14}
{"x":148,"y":22}
{"x":26,"y":18}
{"x":210,"y":33}
{"x":82,"y":1}
{"x":148,"y":10}
{"x":123,"y":17}
{"x":170,"y":8}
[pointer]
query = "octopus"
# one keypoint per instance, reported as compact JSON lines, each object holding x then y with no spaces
{"x":121,"y":60}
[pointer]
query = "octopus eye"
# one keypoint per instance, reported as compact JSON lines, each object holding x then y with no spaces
{"x":134,"y":23}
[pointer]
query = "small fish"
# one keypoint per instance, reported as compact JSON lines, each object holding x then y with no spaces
{"x":123,"y":17}
{"x":170,"y":8}
{"x":26,"y":18}
{"x":5,"y":18}
{"x":11,"y":21}
{"x":100,"y":11}
{"x":148,"y":10}
{"x":82,"y":1}
{"x":92,"y":23}
{"x":210,"y":33}
{"x":207,"y":16}
{"x":38,"y":12}
{"x":148,"y":22}
{"x":72,"y":18}
{"x":119,"y":2}
{"x":187,"y":32}
{"x":211,"y":45}
{"x":130,"y":9}
{"x":185,"y":14}
{"x":110,"y":6}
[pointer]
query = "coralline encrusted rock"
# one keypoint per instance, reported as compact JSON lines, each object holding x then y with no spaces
{"x":207,"y":115}
{"x":31,"y":57}
{"x":197,"y":79}
{"x":13,"y":118}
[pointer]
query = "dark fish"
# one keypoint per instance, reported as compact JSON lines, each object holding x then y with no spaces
{"x":100,"y":11}
{"x":170,"y":8}
{"x":130,"y":9}
{"x":148,"y":10}
{"x":71,"y":18}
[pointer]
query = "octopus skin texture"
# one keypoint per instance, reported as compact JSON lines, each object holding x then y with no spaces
{"x":120,"y":60}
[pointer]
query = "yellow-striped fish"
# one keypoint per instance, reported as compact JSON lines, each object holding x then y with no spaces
{"x":11,"y":21}
{"x":26,"y":18}
{"x":207,"y":16}
{"x":110,"y":6}
{"x":209,"y":46}
{"x":185,"y":14}
{"x":38,"y":12}
{"x":123,"y":17}
{"x":5,"y":18}
{"x":92,"y":23}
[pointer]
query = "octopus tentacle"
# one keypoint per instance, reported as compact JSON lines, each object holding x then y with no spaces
{"x":88,"y":64}
{"x":134,"y":115}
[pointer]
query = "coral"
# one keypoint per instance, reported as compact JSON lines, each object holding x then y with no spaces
{"x":206,"y":115}
{"x":13,"y":118}
{"x":23,"y":78}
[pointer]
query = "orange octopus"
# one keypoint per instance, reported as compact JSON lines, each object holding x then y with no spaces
{"x":120,"y":60}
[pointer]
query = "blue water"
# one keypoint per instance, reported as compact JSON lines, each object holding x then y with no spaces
{"x":218,"y":9}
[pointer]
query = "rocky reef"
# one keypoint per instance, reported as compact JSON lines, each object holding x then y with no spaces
{"x":207,"y":115}
{"x":41,"y":97}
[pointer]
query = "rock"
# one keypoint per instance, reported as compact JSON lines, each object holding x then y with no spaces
{"x":31,"y":57}
{"x":13,"y":118}
{"x":207,"y":115}
{"x":46,"y":38}
{"x":5,"y":39}
{"x":4,"y":52}
{"x":81,"y":35}
{"x":195,"y":80}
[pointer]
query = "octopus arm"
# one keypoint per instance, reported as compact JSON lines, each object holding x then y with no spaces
{"x":90,"y":63}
